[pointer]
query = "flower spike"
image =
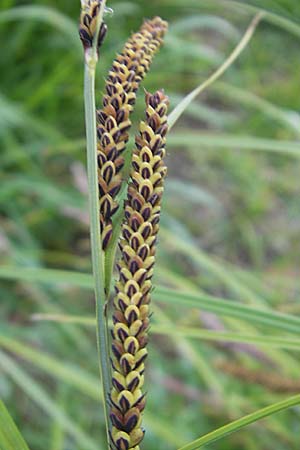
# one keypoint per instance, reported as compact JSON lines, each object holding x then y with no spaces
{"x":131,"y":303}
{"x":90,"y":10}
{"x":128,"y":70}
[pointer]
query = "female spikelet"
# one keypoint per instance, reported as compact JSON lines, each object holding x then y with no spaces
{"x":131,"y":304}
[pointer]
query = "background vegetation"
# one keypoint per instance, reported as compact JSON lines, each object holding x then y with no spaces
{"x":230,"y":228}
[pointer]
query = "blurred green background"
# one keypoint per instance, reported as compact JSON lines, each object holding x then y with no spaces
{"x":230,"y":227}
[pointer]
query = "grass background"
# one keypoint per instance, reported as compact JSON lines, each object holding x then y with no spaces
{"x":230,"y":227}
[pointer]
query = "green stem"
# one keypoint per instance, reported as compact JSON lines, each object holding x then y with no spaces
{"x":91,"y":58}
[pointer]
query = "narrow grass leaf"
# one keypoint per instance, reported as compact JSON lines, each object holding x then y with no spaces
{"x":191,"y":192}
{"x":193,"y":50}
{"x":220,"y":306}
{"x":10,"y":437}
{"x":181,"y":107}
{"x":241,"y":423}
{"x":200,"y":140}
{"x":14,"y":115}
{"x":48,"y":276}
{"x":44,"y":401}
{"x":72,"y":375}
{"x":210,"y":116}
{"x":45,"y":14}
{"x":204,"y":21}
{"x":291,"y":26}
{"x":268,"y":341}
{"x":230,"y":308}
{"x":289,"y":118}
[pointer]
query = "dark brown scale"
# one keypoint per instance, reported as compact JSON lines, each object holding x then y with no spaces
{"x":133,"y":267}
{"x":95,"y":10}
{"x":131,"y":423}
{"x":134,"y":223}
{"x":124,"y":404}
{"x":126,"y":235}
{"x":123,"y":279}
{"x":118,"y":349}
{"x":146,"y":213}
{"x":122,"y":335}
{"x":126,"y":368}
{"x":114,"y":191}
{"x":108,"y":174}
{"x":122,"y":305}
{"x":147,"y":231}
{"x":131,"y":291}
{"x":132,"y":317}
{"x":142,"y":278}
{"x":117,"y":384}
{"x":101,"y":116}
{"x":116,"y":421}
{"x":143,"y":252}
{"x":85,"y":38}
{"x":102,"y":34}
{"x":137,"y":204}
{"x":87,"y":20}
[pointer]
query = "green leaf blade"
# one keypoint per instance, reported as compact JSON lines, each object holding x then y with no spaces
{"x":241,"y":423}
{"x":10,"y":437}
{"x":219,"y":306}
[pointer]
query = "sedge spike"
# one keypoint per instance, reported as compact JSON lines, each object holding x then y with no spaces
{"x":113,"y":120}
{"x":90,"y":10}
{"x":132,"y":300}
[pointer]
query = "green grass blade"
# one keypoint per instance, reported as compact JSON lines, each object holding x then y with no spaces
{"x":193,"y":50}
{"x":177,"y":238}
{"x":71,"y":374}
{"x":44,"y":401}
{"x":44,"y":14}
{"x":207,"y":22}
{"x":218,"y":336}
{"x":10,"y":437}
{"x":287,"y":117}
{"x":162,"y":328}
{"x":48,"y":276}
{"x":208,"y":115}
{"x":199,"y":140}
{"x":277,"y":19}
{"x":181,"y":107}
{"x":14,"y":115}
{"x":240,"y":423}
{"x":57,"y":431}
{"x":220,"y":306}
{"x":75,"y":377}
{"x":230,"y":308}
{"x":187,"y":348}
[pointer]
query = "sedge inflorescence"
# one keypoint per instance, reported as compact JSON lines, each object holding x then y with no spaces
{"x":88,"y":23}
{"x":142,"y":206}
{"x":113,"y":120}
{"x":131,"y":303}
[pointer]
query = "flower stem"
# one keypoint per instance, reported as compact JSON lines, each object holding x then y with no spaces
{"x":91,"y":58}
